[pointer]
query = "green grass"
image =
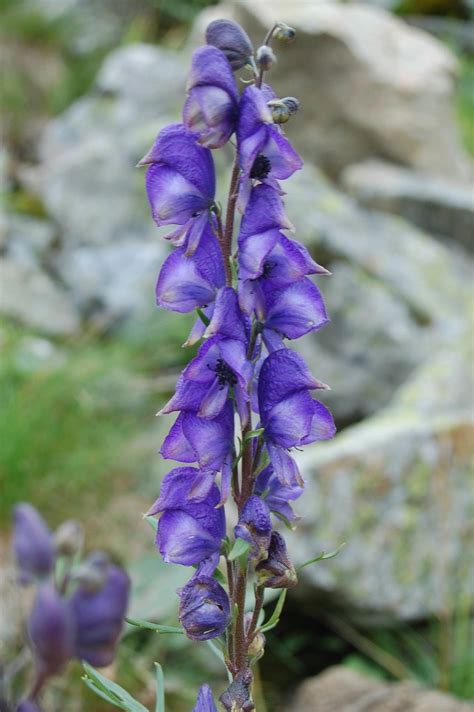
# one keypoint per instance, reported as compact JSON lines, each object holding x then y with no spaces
{"x":465,"y":102}
{"x":65,"y":432}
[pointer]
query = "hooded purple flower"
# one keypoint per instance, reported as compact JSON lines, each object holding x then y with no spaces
{"x":51,"y":631}
{"x":264,"y":153}
{"x":232,"y":40}
{"x":221,"y":365}
{"x":210,"y":443}
{"x":191,"y":527}
{"x":255,"y":527}
{"x":288,"y":413}
{"x":99,"y":616}
{"x":276,"y":571}
{"x":180,"y":184}
{"x":204,"y":609}
{"x":277,"y":495}
{"x":33,"y":544}
{"x":205,"y":700}
{"x":210,"y":110}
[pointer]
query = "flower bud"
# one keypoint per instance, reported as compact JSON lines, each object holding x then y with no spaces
{"x":50,"y":630}
{"x":32,"y":543}
{"x":280,"y":112}
{"x":99,"y":616}
{"x":204,"y":609}
{"x":237,"y":697}
{"x":230,"y":38}
{"x":69,"y":538}
{"x":255,"y":527}
{"x":276,"y":571}
{"x":205,"y":700}
{"x":292,"y":103}
{"x":265,"y":57}
{"x":257,"y":644}
{"x":284,"y":32}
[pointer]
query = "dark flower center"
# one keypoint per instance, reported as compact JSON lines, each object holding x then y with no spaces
{"x":225,"y":374}
{"x":261,"y":167}
{"x":267,"y":269}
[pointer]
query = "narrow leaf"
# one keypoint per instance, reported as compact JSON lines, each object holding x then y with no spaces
{"x":275,"y":617}
{"x":322,"y":557}
{"x":152,"y":522}
{"x":253,"y":434}
{"x":111,"y":692}
{"x":205,"y":320}
{"x":240,"y":548}
{"x":160,"y":689}
{"x":157,"y":627}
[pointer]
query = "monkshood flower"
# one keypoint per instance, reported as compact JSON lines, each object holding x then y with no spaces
{"x":33,"y":544}
{"x":51,"y":631}
{"x":232,"y":40}
{"x":264,"y":152}
{"x":255,"y":527}
{"x":220,"y":365}
{"x":288,"y":413}
{"x":209,"y":442}
{"x":191,"y":526}
{"x":180,"y":184}
{"x":210,"y":110}
{"x":278,"y":495}
{"x":98,"y":617}
{"x":276,"y":571}
{"x":205,"y":700}
{"x":204,"y":609}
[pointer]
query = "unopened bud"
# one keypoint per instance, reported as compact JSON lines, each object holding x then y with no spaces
{"x":280,"y":112}
{"x":265,"y":57}
{"x":257,"y":644}
{"x":276,"y":571}
{"x":69,"y":538}
{"x":292,"y":103}
{"x":237,"y":697}
{"x":50,"y":630}
{"x":284,"y":32}
{"x":232,"y":40}
{"x":32,"y":543}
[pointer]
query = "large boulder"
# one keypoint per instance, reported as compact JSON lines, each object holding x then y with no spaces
{"x":437,"y":205}
{"x":370,"y":85}
{"x":340,"y":689}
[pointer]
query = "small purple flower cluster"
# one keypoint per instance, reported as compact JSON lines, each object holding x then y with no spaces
{"x":78,"y":609}
{"x":249,"y":303}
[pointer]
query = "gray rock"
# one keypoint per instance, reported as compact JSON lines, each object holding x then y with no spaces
{"x":382,"y":485}
{"x":31,"y":297}
{"x":340,"y":689}
{"x":27,"y":240}
{"x":395,"y":295}
{"x":370,"y":85}
{"x":439,"y":206}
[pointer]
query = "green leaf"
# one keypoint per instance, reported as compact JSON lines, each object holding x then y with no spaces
{"x":275,"y":617}
{"x":253,"y":434}
{"x":205,"y":320}
{"x":240,"y":549}
{"x":158,"y":628}
{"x":160,"y":689}
{"x":152,"y":522}
{"x":322,"y":557}
{"x":219,"y":576}
{"x":110,"y":691}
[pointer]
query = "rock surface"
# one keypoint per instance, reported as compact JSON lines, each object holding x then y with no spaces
{"x":372,"y":86}
{"x":439,"y":206}
{"x":340,"y":689}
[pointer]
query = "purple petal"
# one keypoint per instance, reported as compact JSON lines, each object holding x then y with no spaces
{"x":232,"y":40}
{"x":188,"y":537}
{"x":227,"y":319}
{"x":296,"y":309}
{"x":205,"y":700}
{"x":209,"y":66}
{"x":283,"y":372}
{"x":177,"y":148}
{"x":50,"y":630}
{"x":255,"y":527}
{"x":33,"y":544}
{"x":289,"y":261}
{"x":183,"y":486}
{"x":214,"y":400}
{"x":322,"y":425}
{"x":210,"y":115}
{"x":211,"y":440}
{"x":187,"y":397}
{"x":283,"y":157}
{"x":172,"y":198}
{"x":176,"y":446}
{"x":284,"y":466}
{"x":204,"y":608}
{"x":289,"y":420}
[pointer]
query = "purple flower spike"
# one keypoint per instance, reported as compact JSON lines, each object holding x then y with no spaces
{"x":264,"y":153}
{"x":288,"y":413}
{"x":278,"y":495}
{"x":189,"y":530}
{"x":186,"y":283}
{"x":204,"y":609}
{"x":205,"y":700}
{"x":33,"y":544}
{"x":180,"y":184}
{"x":50,"y":630}
{"x":255,"y":527}
{"x":210,"y":443}
{"x":232,"y":40}
{"x":210,"y":110}
{"x":99,"y":617}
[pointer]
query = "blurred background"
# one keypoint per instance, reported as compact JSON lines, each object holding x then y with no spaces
{"x":384,"y":201}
